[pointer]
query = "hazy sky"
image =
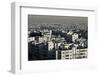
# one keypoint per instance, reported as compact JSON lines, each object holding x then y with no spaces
{"x":32,"y":19}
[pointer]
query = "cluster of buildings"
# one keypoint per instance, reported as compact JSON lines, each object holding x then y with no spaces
{"x":47,"y":44}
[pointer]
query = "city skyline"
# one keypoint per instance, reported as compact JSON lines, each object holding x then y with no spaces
{"x":49,"y":40}
{"x":66,"y":21}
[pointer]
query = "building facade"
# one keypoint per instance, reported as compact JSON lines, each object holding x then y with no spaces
{"x":74,"y":54}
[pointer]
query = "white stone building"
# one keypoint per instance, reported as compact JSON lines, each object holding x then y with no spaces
{"x":74,"y":37}
{"x":31,"y":39}
{"x":50,"y":45}
{"x":47,"y":34}
{"x":74,"y":54}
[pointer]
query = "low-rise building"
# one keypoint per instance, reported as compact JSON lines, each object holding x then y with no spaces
{"x":74,"y":54}
{"x":74,"y":37}
{"x":31,"y":39}
{"x":50,"y":45}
